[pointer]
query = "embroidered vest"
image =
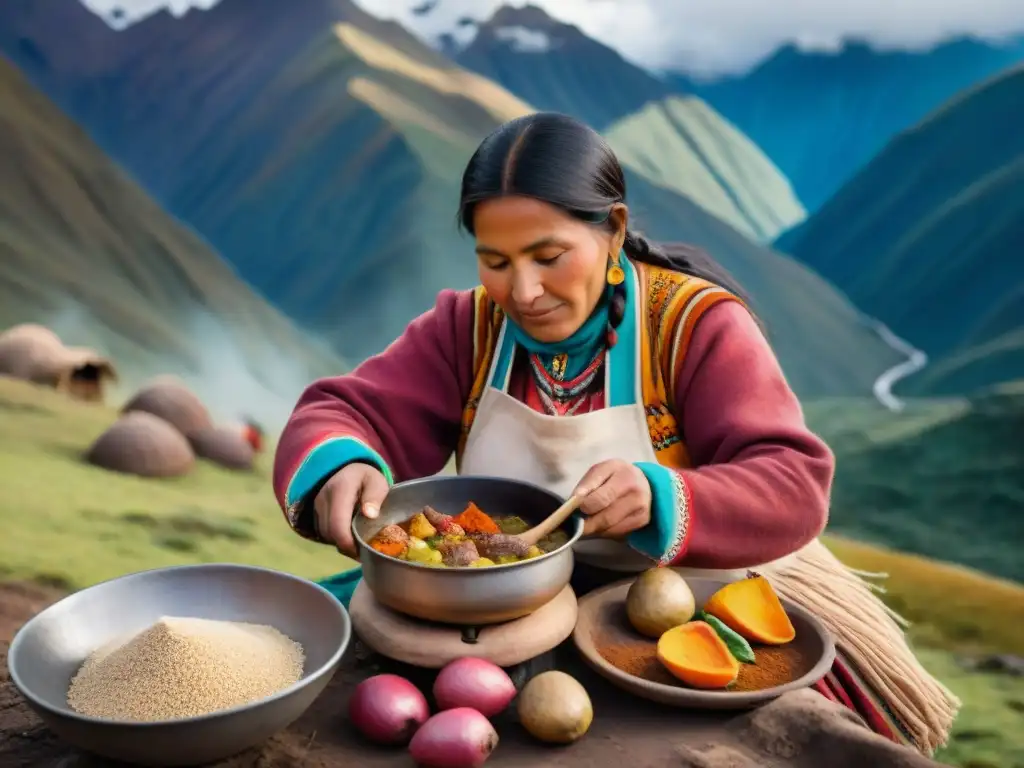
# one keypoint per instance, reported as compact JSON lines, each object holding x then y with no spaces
{"x":672,"y":304}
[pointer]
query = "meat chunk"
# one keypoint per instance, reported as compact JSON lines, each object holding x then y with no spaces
{"x":495,"y":545}
{"x":444,"y":524}
{"x":392,"y":533}
{"x":458,"y":554}
{"x":390,"y":540}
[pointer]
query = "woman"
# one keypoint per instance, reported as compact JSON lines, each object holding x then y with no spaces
{"x":590,"y":361}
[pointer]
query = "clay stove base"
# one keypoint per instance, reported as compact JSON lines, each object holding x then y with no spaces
{"x":423,"y":644}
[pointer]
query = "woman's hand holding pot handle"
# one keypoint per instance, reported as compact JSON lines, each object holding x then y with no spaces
{"x":354,"y":485}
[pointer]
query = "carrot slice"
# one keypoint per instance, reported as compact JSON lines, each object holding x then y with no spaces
{"x":474,"y":520}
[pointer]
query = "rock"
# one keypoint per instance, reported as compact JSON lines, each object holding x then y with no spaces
{"x":223,"y":445}
{"x":169,"y":399}
{"x":1001,"y":663}
{"x":140,"y":443}
{"x":801,"y":730}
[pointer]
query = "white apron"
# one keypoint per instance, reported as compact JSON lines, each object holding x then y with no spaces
{"x":509,"y":439}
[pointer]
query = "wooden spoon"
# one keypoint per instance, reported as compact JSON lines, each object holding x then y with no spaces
{"x":546,"y":526}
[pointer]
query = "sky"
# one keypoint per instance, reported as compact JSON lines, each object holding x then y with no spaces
{"x":709,"y":37}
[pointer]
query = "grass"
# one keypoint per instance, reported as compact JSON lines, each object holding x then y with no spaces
{"x":956,"y":613}
{"x":685,"y":145}
{"x":949,"y":607}
{"x":988,"y":732}
{"x":944,"y":479}
{"x":71,"y":525}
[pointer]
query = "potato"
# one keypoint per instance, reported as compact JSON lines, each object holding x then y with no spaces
{"x":421,"y":528}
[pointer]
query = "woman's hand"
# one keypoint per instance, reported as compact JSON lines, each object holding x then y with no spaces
{"x":356,"y":483}
{"x":616,"y":498}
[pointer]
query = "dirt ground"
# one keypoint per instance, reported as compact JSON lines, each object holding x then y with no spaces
{"x":800,"y":730}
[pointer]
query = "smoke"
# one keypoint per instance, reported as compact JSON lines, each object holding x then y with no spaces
{"x":73,"y":323}
{"x":239,"y":373}
{"x":244,"y":370}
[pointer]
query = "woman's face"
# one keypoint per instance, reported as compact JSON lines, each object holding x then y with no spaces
{"x":545,"y":269}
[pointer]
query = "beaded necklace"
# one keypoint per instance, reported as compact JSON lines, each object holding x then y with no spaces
{"x":563,"y":397}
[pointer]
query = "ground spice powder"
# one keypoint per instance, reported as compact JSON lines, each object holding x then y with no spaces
{"x":474,"y":520}
{"x":775,"y":665}
{"x":638,"y":659}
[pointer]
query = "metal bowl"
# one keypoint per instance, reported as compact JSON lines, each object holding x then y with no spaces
{"x":49,"y":649}
{"x":466,"y":596}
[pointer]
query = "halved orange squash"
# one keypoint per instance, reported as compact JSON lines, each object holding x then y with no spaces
{"x":694,"y":653}
{"x":751,"y":608}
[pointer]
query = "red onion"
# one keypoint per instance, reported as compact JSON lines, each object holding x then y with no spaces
{"x":455,"y":738}
{"x":388,"y":709}
{"x":475,"y":683}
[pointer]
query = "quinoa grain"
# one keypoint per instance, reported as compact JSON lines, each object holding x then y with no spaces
{"x":185,"y":667}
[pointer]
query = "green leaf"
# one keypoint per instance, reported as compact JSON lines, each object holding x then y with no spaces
{"x":736,"y":643}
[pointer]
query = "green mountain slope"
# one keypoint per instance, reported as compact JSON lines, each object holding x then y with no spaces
{"x":684,"y":145}
{"x":966,"y":370}
{"x":928,"y":237}
{"x":86,"y":251}
{"x":944,"y":479}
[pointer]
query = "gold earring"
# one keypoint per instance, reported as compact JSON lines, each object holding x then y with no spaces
{"x":615,"y":272}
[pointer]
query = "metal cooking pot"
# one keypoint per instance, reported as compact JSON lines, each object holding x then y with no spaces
{"x":466,"y":596}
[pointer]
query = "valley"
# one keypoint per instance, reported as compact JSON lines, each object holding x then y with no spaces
{"x":926,"y":238}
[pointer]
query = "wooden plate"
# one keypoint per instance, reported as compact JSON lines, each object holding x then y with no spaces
{"x":602,"y":622}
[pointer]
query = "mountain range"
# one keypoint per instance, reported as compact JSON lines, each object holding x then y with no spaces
{"x":115,"y":94}
{"x":819,"y":116}
{"x":324,"y":164}
{"x":563,"y":70}
{"x":84,"y":250}
{"x":679,"y":141}
{"x":928,"y":237}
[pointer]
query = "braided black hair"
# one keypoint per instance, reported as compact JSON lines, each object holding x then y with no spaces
{"x":557,"y":159}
